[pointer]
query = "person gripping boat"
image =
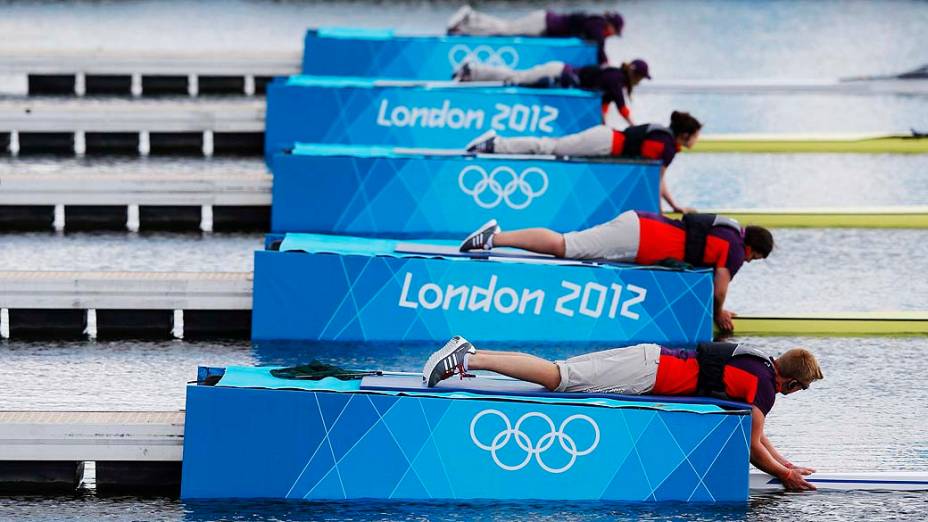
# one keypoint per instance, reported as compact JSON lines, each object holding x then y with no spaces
{"x":593,"y":27}
{"x":720,"y":370}
{"x":608,"y":80}
{"x":702,"y":240}
{"x":649,"y":141}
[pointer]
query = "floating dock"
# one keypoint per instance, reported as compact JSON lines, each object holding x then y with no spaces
{"x":385,"y":191}
{"x":70,"y":198}
{"x":43,"y":451}
{"x":142,"y":451}
{"x":362,"y":289}
{"x":96,"y":72}
{"x":824,"y":217}
{"x":365,"y":111}
{"x":814,"y":143}
{"x":133,"y":304}
{"x":254,"y":435}
{"x":385,"y":53}
{"x":191,"y":305}
{"x":204,"y":127}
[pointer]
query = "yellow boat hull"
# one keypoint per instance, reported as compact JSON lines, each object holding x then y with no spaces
{"x":889,"y":217}
{"x":812,"y":144}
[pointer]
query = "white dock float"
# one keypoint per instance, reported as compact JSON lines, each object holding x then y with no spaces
{"x":31,"y":115}
{"x":126,"y":290}
{"x":76,"y":305}
{"x":76,"y":72}
{"x":75,"y":186}
{"x":132,"y":126}
{"x":91,"y":436}
{"x":134,"y":451}
{"x":227,"y":63}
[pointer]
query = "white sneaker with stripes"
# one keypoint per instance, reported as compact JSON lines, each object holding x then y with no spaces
{"x":447,"y":361}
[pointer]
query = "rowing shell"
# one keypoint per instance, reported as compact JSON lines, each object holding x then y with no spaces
{"x":821,"y":143}
{"x":866,"y":217}
{"x":834,"y":324}
{"x":874,"y":481}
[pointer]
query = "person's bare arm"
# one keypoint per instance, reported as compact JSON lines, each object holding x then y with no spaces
{"x":783,"y":460}
{"x":722,"y":316}
{"x":665,"y":195}
{"x":763,"y":460}
{"x":625,"y":113}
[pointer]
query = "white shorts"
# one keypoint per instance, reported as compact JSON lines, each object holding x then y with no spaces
{"x":631,"y":371}
{"x":615,"y":240}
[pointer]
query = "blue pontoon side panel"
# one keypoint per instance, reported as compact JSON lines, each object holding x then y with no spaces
{"x":363,"y":111}
{"x":328,"y":445}
{"x":365,"y":191}
{"x":384,"y":54}
{"x":354,"y":289}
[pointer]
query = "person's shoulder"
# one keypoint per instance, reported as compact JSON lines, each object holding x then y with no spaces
{"x":753,"y":364}
{"x":727,"y":233}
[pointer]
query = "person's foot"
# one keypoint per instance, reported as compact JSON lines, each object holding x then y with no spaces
{"x":480,"y":240}
{"x":458,"y":18}
{"x":462,"y":74}
{"x":447,"y":361}
{"x":483,"y":144}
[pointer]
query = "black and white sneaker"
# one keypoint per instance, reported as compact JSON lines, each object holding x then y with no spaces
{"x":483,"y":144}
{"x":480,"y":240}
{"x":458,"y":18}
{"x":447,"y":362}
{"x":462,"y":74}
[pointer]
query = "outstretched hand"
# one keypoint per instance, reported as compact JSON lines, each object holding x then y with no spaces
{"x":793,"y":481}
{"x":803,"y":470}
{"x":724,"y":320}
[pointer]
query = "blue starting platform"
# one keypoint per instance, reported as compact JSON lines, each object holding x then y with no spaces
{"x":388,"y":437}
{"x":365,"y":111}
{"x":393,"y":192}
{"x":386,"y":54}
{"x":340,"y":288}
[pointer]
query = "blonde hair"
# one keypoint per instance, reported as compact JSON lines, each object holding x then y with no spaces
{"x":799,"y":364}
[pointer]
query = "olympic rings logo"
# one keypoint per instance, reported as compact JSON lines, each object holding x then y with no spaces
{"x":475,"y":182}
{"x":503,"y":57}
{"x":524,"y":442}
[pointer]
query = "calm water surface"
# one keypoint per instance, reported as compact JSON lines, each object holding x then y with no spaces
{"x":869,"y":412}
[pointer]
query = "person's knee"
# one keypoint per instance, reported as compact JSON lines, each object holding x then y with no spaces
{"x":553,"y":380}
{"x":560,"y":246}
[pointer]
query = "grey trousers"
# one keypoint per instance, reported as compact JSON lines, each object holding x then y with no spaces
{"x":631,"y":370}
{"x":549,"y":72}
{"x":477,"y":23}
{"x":595,"y":141}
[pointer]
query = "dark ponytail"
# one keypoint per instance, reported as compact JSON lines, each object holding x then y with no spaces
{"x":682,"y":123}
{"x":628,"y":70}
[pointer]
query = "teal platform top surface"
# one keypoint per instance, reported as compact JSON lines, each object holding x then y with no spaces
{"x":390,"y":34}
{"x":260,"y":377}
{"x":301,"y":80}
{"x":361,"y":151}
{"x":434,"y":248}
{"x":384,"y":151}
